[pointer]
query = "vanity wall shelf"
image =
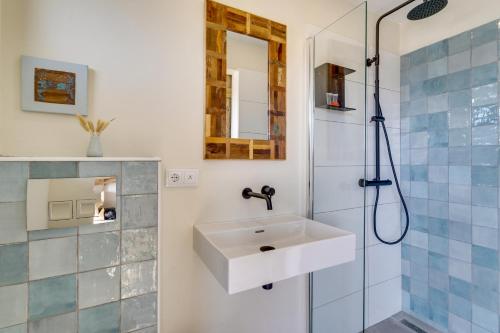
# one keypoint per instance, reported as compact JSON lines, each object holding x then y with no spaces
{"x":330,"y":78}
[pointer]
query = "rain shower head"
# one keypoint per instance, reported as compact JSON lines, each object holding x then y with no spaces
{"x":427,"y":9}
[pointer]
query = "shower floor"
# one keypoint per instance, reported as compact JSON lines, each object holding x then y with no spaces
{"x":401,"y":323}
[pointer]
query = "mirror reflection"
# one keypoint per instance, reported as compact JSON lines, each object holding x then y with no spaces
{"x":70,"y":202}
{"x":247,"y":87}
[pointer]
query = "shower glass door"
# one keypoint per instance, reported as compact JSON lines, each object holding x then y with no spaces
{"x":338,"y":160}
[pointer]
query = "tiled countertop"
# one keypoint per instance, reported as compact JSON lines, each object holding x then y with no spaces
{"x":74,"y":159}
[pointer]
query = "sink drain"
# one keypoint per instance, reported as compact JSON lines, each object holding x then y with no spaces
{"x":266,"y":248}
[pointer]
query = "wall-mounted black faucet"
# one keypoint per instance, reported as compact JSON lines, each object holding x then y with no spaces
{"x":265,"y":193}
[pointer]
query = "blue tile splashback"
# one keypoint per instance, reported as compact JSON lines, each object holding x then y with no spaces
{"x":451,"y":117}
{"x":99,"y":278}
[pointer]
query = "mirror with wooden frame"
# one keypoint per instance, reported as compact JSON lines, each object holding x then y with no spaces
{"x":245,"y":111}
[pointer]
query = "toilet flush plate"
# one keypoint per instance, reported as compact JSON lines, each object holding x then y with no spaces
{"x":251,"y":253}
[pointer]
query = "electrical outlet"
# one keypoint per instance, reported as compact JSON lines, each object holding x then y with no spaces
{"x":181,"y":177}
{"x":174,"y":178}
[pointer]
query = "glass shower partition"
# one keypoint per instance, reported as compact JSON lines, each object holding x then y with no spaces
{"x":338,"y":126}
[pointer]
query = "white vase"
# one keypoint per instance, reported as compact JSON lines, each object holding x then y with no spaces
{"x":95,"y":148}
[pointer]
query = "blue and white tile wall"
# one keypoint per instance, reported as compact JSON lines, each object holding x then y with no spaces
{"x":450,"y":174}
{"x":90,"y":279}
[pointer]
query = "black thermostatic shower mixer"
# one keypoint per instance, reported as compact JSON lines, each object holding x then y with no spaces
{"x":423,"y":10}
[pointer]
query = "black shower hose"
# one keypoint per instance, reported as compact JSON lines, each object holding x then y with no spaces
{"x":396,"y":181}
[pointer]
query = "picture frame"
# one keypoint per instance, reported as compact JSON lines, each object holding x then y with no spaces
{"x":53,"y":86}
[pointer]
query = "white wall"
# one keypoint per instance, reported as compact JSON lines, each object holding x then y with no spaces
{"x":147,"y":68}
{"x":457,"y":17}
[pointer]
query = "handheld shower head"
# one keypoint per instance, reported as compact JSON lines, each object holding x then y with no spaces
{"x":427,"y":9}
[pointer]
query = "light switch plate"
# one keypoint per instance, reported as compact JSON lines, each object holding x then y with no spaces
{"x":181,"y":177}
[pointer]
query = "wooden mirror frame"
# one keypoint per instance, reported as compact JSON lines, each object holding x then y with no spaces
{"x":219,"y":20}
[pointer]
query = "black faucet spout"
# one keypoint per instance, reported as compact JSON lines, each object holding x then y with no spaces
{"x":266,"y":193}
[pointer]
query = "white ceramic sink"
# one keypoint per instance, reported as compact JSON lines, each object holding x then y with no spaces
{"x":232,"y":250}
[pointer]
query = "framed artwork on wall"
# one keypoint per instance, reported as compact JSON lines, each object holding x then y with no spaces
{"x":53,"y":86}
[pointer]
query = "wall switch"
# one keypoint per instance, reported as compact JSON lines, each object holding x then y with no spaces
{"x":181,"y":177}
{"x":191,"y":177}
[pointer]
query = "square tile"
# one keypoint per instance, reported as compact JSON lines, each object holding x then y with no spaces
{"x":63,"y":323}
{"x":460,"y":117}
{"x":485,"y":318}
{"x":138,"y":278}
{"x":103,"y":318}
{"x":459,"y":43}
{"x":438,"y":121}
{"x":437,"y":50}
{"x":438,"y":85}
{"x":460,"y":251}
{"x":460,"y":270}
{"x":13,"y":222}
{"x":52,"y":296}
{"x":460,"y":175}
{"x":485,"y":95}
{"x":52,"y":257}
{"x":139,"y":211}
{"x":484,"y":176}
{"x":459,"y":137}
{"x":484,"y":34}
{"x":485,"y":217}
{"x":138,"y":312}
{"x":139,"y":178}
{"x":13,"y":305}
{"x":485,"y":237}
{"x":485,"y":54}
{"x":43,"y":170}
{"x":98,"y":287}
{"x":460,"y":307}
{"x":460,"y":99}
{"x":459,"y":80}
{"x":417,"y":105}
{"x":484,"y":257}
{"x":485,"y":196}
{"x":460,"y":194}
{"x":438,"y":156}
{"x":438,"y":192}
{"x":458,"y":324}
{"x":139,"y":244}
{"x":485,"y":74}
{"x":460,"y":231}
{"x":460,"y":288}
{"x":460,"y":155}
{"x":13,"y":181}
{"x":419,"y":123}
{"x":460,"y":213}
{"x":438,"y":138}
{"x":437,"y":68}
{"x":459,"y":62}
{"x":485,"y":135}
{"x":485,"y":156}
{"x":99,"y":250}
{"x":13,"y":264}
{"x":438,"y":103}
{"x":485,"y":115}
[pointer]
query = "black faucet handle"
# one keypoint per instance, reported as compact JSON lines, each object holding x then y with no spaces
{"x":246,"y":193}
{"x":268,"y":190}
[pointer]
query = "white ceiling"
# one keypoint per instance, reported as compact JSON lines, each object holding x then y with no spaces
{"x":382,"y":6}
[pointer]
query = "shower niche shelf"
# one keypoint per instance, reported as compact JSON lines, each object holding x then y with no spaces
{"x":330,"y":78}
